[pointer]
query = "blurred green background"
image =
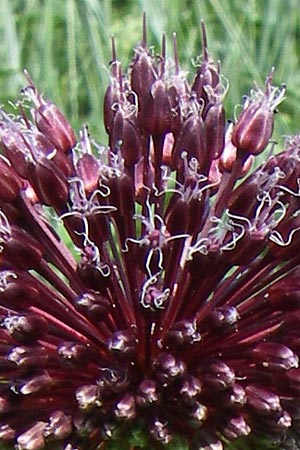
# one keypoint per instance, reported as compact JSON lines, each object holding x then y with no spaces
{"x":65,"y":45}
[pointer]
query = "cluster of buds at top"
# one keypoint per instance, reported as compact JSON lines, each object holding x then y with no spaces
{"x":172,"y":309}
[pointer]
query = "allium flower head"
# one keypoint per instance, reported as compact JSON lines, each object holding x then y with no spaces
{"x":149,"y":289}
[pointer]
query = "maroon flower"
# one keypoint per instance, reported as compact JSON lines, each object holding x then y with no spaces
{"x":168,"y":311}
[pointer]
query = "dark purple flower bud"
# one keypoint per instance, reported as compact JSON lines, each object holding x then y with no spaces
{"x":169,"y":368}
{"x":207,"y":79}
{"x":253,"y":129}
{"x":161,"y":116}
{"x":126,"y":137}
{"x":177,"y":216}
{"x":42,"y":148}
{"x":125,"y":408}
{"x":191,"y":141}
{"x":190,"y":388}
{"x":10,"y":183}
{"x":50,"y":121}
{"x":236,"y":396}
{"x":214,"y":122}
{"x":122,"y":343}
{"x":21,"y":248}
{"x":110,"y":101}
{"x":26,"y":328}
{"x":54,"y":125}
{"x":15,"y":147}
{"x":33,"y":438}
{"x":143,"y":75}
{"x":160,"y":432}
{"x":225,"y":316}
{"x":147,"y":393}
{"x":113,"y":380}
{"x":7,"y":433}
{"x":229,"y":157}
{"x":236,"y":427}
{"x":113,"y":92}
{"x":184,"y":332}
{"x":274,"y":356}
{"x":59,"y":426}
{"x":73,"y":353}
{"x":92,"y":271}
{"x":15,"y":289}
{"x":94,"y":305}
{"x":254,"y":126}
{"x":121,"y":200}
{"x":262,"y":400}
{"x":50,"y":183}
{"x":197,"y":415}
{"x":35,"y":384}
{"x":217,"y":375}
{"x":26,"y":356}
{"x":88,"y":397}
{"x":88,"y":171}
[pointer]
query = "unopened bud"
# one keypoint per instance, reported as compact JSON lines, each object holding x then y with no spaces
{"x":88,"y":171}
{"x":73,"y":352}
{"x":218,"y":375}
{"x":50,"y":183}
{"x":147,"y":393}
{"x":160,"y":117}
{"x":22,"y":249}
{"x":112,"y":94}
{"x":169,"y":367}
{"x":225,"y":316}
{"x":122,"y":343}
{"x":26,"y":328}
{"x":94,"y":305}
{"x":87,"y":397}
{"x":126,"y":137}
{"x":192,"y":142}
{"x":50,"y":121}
{"x":143,"y":75}
{"x":125,"y":408}
{"x":184,"y":332}
{"x":228,"y":158}
{"x":236,"y":427}
{"x":160,"y":431}
{"x":59,"y":425}
{"x":190,"y":388}
{"x":32,"y":439}
{"x":36,"y":384}
{"x":275,"y":356}
{"x":215,"y":130}
{"x":262,"y":400}
{"x":14,"y":147}
{"x":10,"y":183}
{"x":254,"y":127}
{"x":54,"y":125}
{"x":28,"y":356}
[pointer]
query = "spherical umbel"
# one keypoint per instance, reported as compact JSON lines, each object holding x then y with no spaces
{"x":163,"y":310}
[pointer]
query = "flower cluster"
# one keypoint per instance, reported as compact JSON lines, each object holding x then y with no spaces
{"x":169,"y":307}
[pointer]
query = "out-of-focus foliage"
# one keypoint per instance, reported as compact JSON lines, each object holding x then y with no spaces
{"x":65,"y":45}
